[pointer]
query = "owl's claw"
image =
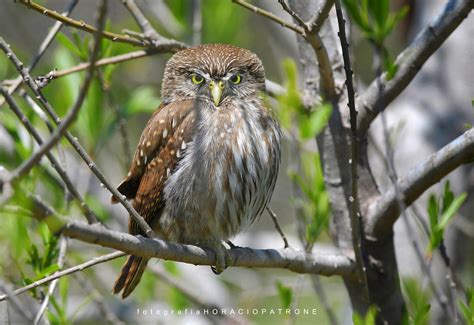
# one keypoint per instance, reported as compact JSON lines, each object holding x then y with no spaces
{"x":232,"y":245}
{"x":222,"y":257}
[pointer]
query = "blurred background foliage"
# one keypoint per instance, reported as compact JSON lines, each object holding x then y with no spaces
{"x":118,"y":104}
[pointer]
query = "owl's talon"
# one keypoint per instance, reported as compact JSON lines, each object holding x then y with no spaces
{"x":232,"y":245}
{"x":222,"y":257}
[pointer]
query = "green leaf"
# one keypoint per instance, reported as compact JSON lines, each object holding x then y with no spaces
{"x":68,"y":44}
{"x":451,"y":210}
{"x":433,"y":212}
{"x":315,"y":123}
{"x":285,"y":293}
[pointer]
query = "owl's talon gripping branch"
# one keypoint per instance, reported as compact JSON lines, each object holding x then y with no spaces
{"x":222,"y":257}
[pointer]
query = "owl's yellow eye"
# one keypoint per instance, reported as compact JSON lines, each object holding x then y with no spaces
{"x":196,"y":79}
{"x":235,"y":79}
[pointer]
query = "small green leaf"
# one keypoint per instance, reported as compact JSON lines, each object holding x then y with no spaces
{"x":68,"y":44}
{"x":315,"y":123}
{"x":285,"y":293}
{"x":433,"y":212}
{"x":451,"y":210}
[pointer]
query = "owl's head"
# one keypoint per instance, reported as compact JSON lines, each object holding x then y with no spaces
{"x":217,"y":73}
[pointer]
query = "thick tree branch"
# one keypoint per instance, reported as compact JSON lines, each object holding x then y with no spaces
{"x":410,"y":62}
{"x":296,"y":261}
{"x":356,"y":217}
{"x":384,"y":212}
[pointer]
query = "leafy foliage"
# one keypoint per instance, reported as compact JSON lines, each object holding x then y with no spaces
{"x":441,"y":212}
{"x":374,"y":19}
{"x":285,"y":293}
{"x":417,"y":302}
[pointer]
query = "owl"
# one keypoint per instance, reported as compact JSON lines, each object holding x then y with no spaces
{"x":207,"y":161}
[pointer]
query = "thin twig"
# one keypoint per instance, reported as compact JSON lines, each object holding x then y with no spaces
{"x":318,"y":288}
{"x":16,"y":303}
{"x":80,"y":24}
{"x":277,"y":226}
{"x":293,"y":14}
{"x":42,"y":49}
{"x":52,"y":286}
{"x":60,"y":274}
{"x":271,"y":16}
{"x":356,"y":218}
{"x":316,"y":22}
{"x":88,"y":213}
{"x":142,"y":21}
{"x":158,"y":43}
{"x":99,"y":300}
{"x":76,"y":145}
{"x":26,"y":166}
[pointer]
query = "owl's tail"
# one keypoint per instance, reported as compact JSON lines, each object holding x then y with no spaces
{"x":130,"y":275}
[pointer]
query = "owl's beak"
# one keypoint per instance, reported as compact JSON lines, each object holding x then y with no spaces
{"x":216,"y":91}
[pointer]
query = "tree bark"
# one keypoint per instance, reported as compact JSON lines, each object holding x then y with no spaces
{"x":334,"y":148}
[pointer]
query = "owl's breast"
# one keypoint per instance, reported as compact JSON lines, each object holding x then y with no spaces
{"x":226,"y":177}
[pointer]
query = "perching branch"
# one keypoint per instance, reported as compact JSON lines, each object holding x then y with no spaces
{"x":384,"y":212}
{"x":410,"y":62}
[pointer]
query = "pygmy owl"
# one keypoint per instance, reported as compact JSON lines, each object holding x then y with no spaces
{"x":207,"y":161}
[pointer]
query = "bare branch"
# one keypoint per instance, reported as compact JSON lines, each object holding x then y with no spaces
{"x":15,"y":303}
{"x":88,"y":213}
{"x":293,"y":14}
{"x":74,"y":142}
{"x":43,"y":47}
{"x":271,"y":16}
{"x":277,"y":226}
{"x":296,"y":261}
{"x":80,"y":24}
{"x":26,"y":166}
{"x":384,"y":212}
{"x":356,"y":218}
{"x":410,"y":62}
{"x":141,"y":20}
{"x":316,"y":22}
{"x":60,"y":274}
{"x":52,"y":286}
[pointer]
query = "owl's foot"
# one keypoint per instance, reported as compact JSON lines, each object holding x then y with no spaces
{"x":222,"y":256}
{"x":232,"y":245}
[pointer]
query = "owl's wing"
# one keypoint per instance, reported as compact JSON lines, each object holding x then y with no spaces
{"x":161,"y":146}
